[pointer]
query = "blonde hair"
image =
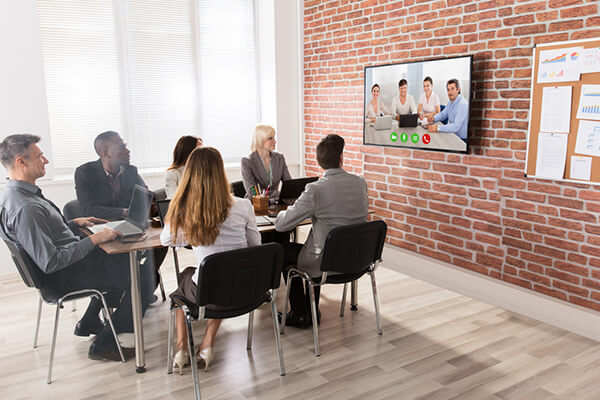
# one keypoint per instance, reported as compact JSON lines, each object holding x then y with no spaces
{"x":261,"y":133}
{"x":202,"y":200}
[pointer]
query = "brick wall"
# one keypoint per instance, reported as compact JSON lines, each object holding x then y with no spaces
{"x":476,"y":211}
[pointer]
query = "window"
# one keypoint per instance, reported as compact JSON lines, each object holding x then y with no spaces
{"x":153,"y":70}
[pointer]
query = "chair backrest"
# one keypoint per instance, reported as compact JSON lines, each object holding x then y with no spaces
{"x":353,"y":248}
{"x":30,"y":273}
{"x":237,"y":278}
{"x":73,"y":209}
{"x":238,"y":190}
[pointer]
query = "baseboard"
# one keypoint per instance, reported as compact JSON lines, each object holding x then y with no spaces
{"x":570,"y":317}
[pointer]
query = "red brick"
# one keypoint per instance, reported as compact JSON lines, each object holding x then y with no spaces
{"x":571,"y":288}
{"x":550,"y":292}
{"x":547,"y":251}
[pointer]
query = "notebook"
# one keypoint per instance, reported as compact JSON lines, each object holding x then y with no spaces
{"x":137,"y":221}
{"x":293,"y":188}
{"x":262,"y":220}
{"x":383,"y":123}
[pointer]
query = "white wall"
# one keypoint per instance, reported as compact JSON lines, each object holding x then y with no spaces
{"x":23,"y":94}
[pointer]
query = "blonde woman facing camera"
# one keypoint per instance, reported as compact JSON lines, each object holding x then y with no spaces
{"x":264,"y":167}
{"x":206,"y":216}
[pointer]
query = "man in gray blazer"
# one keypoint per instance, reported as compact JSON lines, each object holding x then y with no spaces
{"x":337,"y":199}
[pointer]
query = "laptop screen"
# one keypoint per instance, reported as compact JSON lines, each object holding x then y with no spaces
{"x":139,"y":207}
{"x":293,"y":188}
{"x":163,"y":208}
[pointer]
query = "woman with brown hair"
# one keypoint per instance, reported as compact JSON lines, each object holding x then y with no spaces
{"x":185,"y":145}
{"x":205,"y":215}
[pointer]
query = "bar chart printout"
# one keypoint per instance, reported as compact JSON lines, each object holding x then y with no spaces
{"x":589,"y":103}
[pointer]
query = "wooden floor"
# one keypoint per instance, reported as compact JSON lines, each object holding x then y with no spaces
{"x":436,"y":345}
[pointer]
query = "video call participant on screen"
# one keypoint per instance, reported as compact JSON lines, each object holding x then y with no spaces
{"x":457,"y":112}
{"x":205,"y":215}
{"x":429,"y":102}
{"x":404,"y":103}
{"x":264,"y":167}
{"x":185,"y":145}
{"x":337,"y":199}
{"x":68,"y":263}
{"x":104,"y":187}
{"x":375,"y":108}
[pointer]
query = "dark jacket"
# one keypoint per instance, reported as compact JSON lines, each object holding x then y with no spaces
{"x":95,"y":193}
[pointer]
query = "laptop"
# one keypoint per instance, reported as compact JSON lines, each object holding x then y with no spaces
{"x":293,"y":188}
{"x":383,"y":123}
{"x":137,"y":221}
{"x":163,"y":208}
{"x":409,"y":120}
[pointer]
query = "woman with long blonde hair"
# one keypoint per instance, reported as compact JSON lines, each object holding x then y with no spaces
{"x":205,"y":215}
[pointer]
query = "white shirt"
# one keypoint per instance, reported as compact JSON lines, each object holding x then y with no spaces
{"x":429,"y":106}
{"x":237,"y":231}
{"x":381,"y":111}
{"x":408,"y":107}
{"x":172,"y":178}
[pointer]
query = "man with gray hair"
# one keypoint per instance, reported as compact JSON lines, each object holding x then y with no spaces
{"x":54,"y":245}
{"x":456,"y":112}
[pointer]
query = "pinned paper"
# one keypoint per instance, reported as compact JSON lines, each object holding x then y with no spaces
{"x":560,"y":65}
{"x":581,"y":168}
{"x":551,"y":155}
{"x":556,"y":109}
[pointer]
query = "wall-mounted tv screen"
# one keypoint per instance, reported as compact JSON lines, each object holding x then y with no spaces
{"x":423,"y":105}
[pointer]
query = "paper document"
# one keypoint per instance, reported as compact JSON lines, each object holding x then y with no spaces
{"x":589,"y":102}
{"x":590,"y":62}
{"x":551,"y":155}
{"x":560,"y":65}
{"x":556,"y":109}
{"x":588,"y":138}
{"x":581,"y":168}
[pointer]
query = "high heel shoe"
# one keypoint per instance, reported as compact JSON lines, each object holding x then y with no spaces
{"x":180,"y":360}
{"x":206,"y":355}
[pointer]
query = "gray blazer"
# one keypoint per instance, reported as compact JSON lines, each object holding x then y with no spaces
{"x":253,"y":172}
{"x":337,"y":199}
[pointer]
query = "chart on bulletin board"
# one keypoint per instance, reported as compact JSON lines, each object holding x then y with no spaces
{"x":563,"y":142}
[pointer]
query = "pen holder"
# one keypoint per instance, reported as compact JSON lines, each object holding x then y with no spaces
{"x":261,"y":204}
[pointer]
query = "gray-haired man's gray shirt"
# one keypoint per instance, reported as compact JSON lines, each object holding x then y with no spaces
{"x":337,"y":199}
{"x":40,"y":228}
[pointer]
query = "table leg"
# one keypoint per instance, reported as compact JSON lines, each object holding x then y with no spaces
{"x":136,"y":309}
{"x":353,"y":296}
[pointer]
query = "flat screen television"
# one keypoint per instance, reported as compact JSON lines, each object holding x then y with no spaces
{"x":422,"y":105}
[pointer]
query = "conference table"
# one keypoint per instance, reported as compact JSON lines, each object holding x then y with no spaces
{"x":151,"y":240}
{"x":417,"y":136}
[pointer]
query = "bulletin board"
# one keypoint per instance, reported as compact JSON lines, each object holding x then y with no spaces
{"x":563,"y":141}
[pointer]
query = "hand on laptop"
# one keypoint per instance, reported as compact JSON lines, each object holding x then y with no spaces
{"x":89,"y":221}
{"x":105,"y":235}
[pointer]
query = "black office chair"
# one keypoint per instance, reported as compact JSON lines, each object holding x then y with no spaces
{"x":230,"y":284}
{"x":238,"y":190}
{"x":34,"y":277}
{"x":349,"y":252}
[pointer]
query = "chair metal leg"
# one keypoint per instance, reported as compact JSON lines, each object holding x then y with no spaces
{"x":285,"y":303}
{"x":162,"y":287}
{"x":376,"y":302}
{"x":277,"y":338}
{"x":354,"y":296}
{"x":250,"y":330}
{"x":58,"y":307}
{"x":112,"y":326}
{"x":313,"y":308}
{"x":176,"y":261}
{"x":170,"y":343}
{"x":343,"y":300}
{"x":190,"y":335}
{"x":37,"y":325}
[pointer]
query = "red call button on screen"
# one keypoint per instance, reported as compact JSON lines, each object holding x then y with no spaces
{"x":426,"y":138}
